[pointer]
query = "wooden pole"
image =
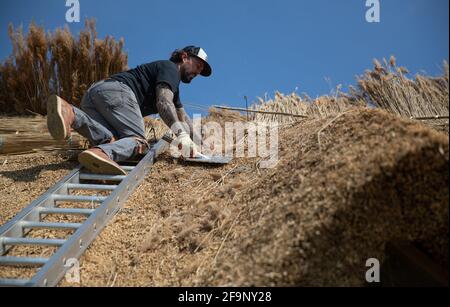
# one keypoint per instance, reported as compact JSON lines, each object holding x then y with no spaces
{"x":246,"y":107}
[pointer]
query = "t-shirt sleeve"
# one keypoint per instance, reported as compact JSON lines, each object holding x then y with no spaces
{"x":168,"y":74}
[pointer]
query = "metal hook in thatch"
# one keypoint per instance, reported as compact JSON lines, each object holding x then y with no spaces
{"x":430,"y":117}
{"x":261,"y":112}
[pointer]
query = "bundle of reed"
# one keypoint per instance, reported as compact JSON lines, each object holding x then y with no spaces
{"x":59,"y":63}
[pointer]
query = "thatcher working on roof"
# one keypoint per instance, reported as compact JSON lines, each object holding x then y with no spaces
{"x":112,"y":110}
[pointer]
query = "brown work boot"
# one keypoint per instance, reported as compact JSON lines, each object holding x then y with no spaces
{"x":60,"y":117}
{"x":98,"y":162}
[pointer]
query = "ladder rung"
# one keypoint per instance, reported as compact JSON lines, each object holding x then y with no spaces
{"x":102,"y":177}
{"x":66,"y":211}
{"x":13,"y":261}
{"x":99,"y":187}
{"x":30,"y":241}
{"x":33,"y":225}
{"x":14,"y":282}
{"x":78,"y":198}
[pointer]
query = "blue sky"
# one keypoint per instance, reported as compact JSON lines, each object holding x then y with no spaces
{"x":259,"y":46}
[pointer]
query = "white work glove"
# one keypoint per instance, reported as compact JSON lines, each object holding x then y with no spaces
{"x":186,"y":147}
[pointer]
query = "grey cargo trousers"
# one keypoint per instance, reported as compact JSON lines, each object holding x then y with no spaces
{"x":110,"y":108}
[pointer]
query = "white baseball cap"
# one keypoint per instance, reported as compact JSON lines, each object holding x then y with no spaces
{"x":201,"y":54}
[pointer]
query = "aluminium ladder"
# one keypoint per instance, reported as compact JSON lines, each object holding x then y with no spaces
{"x":52,"y":269}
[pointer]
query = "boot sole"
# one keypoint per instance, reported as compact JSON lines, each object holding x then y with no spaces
{"x":55,"y":120}
{"x":99,"y":165}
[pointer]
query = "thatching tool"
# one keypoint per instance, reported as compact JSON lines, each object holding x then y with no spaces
{"x":201,"y":158}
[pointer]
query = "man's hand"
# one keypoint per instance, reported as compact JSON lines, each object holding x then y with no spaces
{"x":184,"y":118}
{"x":186,"y":146}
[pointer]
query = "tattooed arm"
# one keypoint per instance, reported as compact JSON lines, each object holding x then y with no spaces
{"x":168,"y":113}
{"x":166,"y":108}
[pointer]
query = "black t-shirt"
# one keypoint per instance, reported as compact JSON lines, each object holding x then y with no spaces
{"x":144,"y":79}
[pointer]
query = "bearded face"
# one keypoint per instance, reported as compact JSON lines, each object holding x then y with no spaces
{"x":187,"y":76}
{"x":190,"y":69}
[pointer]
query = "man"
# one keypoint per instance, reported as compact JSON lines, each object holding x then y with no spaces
{"x":112,"y":110}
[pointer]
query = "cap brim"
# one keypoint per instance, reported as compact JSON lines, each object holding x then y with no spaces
{"x":207,"y":71}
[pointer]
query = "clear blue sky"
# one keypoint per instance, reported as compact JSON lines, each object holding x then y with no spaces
{"x":259,"y":46}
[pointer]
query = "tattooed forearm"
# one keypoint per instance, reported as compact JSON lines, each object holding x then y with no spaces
{"x":166,"y":108}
